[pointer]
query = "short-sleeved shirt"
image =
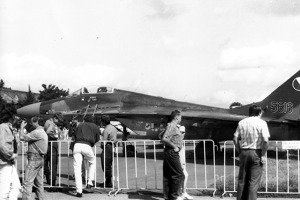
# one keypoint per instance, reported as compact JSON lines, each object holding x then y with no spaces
{"x":110,"y":133}
{"x":51,"y":129}
{"x":173,"y":134}
{"x":251,"y":131}
{"x":40,"y":138}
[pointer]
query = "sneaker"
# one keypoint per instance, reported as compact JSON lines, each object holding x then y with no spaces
{"x":186,"y":196}
{"x":180,"y":198}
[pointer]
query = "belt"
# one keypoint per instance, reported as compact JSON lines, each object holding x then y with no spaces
{"x":37,"y":155}
{"x":251,"y":149}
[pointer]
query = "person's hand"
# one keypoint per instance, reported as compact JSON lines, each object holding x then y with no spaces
{"x":264,"y":159}
{"x":23,"y":124}
{"x":176,"y":149}
{"x":14,"y":156}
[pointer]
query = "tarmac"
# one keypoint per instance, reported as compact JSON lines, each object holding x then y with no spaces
{"x":138,"y":195}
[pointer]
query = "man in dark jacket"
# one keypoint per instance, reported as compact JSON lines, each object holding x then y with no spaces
{"x":86,"y":136}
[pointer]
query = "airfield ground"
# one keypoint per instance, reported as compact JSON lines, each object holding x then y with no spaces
{"x":133,"y":196}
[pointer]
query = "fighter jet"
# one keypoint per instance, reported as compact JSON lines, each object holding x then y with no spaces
{"x":148,"y":115}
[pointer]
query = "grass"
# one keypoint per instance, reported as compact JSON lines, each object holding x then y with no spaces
{"x":279,"y":177}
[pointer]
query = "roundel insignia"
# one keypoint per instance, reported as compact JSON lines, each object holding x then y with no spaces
{"x":296,"y":83}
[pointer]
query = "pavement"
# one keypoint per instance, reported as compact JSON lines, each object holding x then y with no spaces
{"x":139,"y":195}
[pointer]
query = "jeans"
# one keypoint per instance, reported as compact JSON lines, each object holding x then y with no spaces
{"x":34,"y":176}
{"x":9,"y":182}
{"x":50,"y":166}
{"x":172,"y":172}
{"x":250,"y":174}
{"x":108,"y":162}
{"x":85,"y":150}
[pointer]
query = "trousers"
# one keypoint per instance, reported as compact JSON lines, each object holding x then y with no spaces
{"x":34,"y":176}
{"x":9,"y":182}
{"x":50,"y":163}
{"x":250,"y":173}
{"x":172,"y":172}
{"x":81,"y":150}
{"x":108,"y":158}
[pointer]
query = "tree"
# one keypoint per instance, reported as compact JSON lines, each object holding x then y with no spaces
{"x":2,"y":102}
{"x":30,"y":98}
{"x":52,"y":92}
{"x":1,"y":83}
{"x":235,"y":104}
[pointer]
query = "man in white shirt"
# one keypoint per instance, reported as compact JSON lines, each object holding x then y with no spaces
{"x":251,"y":142}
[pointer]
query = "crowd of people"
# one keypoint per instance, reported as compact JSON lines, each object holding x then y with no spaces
{"x":250,"y":139}
{"x":42,"y":153}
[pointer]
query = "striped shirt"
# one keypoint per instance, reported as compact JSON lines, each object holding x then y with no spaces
{"x":251,"y":131}
{"x":173,"y":134}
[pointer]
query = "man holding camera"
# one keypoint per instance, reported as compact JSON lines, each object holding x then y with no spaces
{"x":37,"y":148}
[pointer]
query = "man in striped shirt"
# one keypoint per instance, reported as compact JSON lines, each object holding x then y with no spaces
{"x":251,"y":142}
{"x":172,"y":170}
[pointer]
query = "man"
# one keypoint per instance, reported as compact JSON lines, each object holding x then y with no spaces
{"x":251,"y":142}
{"x":86,"y":136}
{"x":109,"y":136}
{"x":53,"y":132}
{"x":37,"y":148}
{"x":172,"y":170}
{"x":9,"y":181}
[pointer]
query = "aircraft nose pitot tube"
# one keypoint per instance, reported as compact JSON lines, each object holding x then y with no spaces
{"x":30,"y":110}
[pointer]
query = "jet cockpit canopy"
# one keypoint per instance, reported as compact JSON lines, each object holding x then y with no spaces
{"x":93,"y":90}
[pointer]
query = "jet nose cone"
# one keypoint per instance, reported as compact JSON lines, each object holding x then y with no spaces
{"x":29,"y":110}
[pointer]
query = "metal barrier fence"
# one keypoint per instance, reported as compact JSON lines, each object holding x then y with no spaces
{"x":281,"y":171}
{"x":136,"y":165}
{"x":140,"y":166}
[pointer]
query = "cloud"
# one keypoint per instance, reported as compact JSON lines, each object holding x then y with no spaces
{"x":275,"y":7}
{"x":223,"y":97}
{"x":35,"y":70}
{"x":163,"y":9}
{"x":272,"y":54}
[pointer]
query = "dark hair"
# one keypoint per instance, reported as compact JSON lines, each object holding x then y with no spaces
{"x":38,"y":119}
{"x":174,"y":114}
{"x":88,"y":118}
{"x":254,"y":110}
{"x":7,"y":112}
{"x":105,"y":119}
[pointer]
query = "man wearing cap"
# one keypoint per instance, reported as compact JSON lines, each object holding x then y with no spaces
{"x":52,"y":131}
{"x":37,"y":148}
{"x":109,"y":137}
{"x":9,"y":181}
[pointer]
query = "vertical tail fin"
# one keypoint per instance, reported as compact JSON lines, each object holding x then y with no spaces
{"x":284,"y":102}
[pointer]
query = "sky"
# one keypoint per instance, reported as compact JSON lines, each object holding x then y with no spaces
{"x":209,"y":52}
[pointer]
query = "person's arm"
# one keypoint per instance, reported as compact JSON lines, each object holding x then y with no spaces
{"x":26,"y":137}
{"x":97,"y":134}
{"x":51,"y":131}
{"x":236,"y":139}
{"x":166,"y":141}
{"x":265,"y":138}
{"x":6,"y":144}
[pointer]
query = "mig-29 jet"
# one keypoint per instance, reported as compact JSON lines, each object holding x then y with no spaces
{"x":148,"y":115}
